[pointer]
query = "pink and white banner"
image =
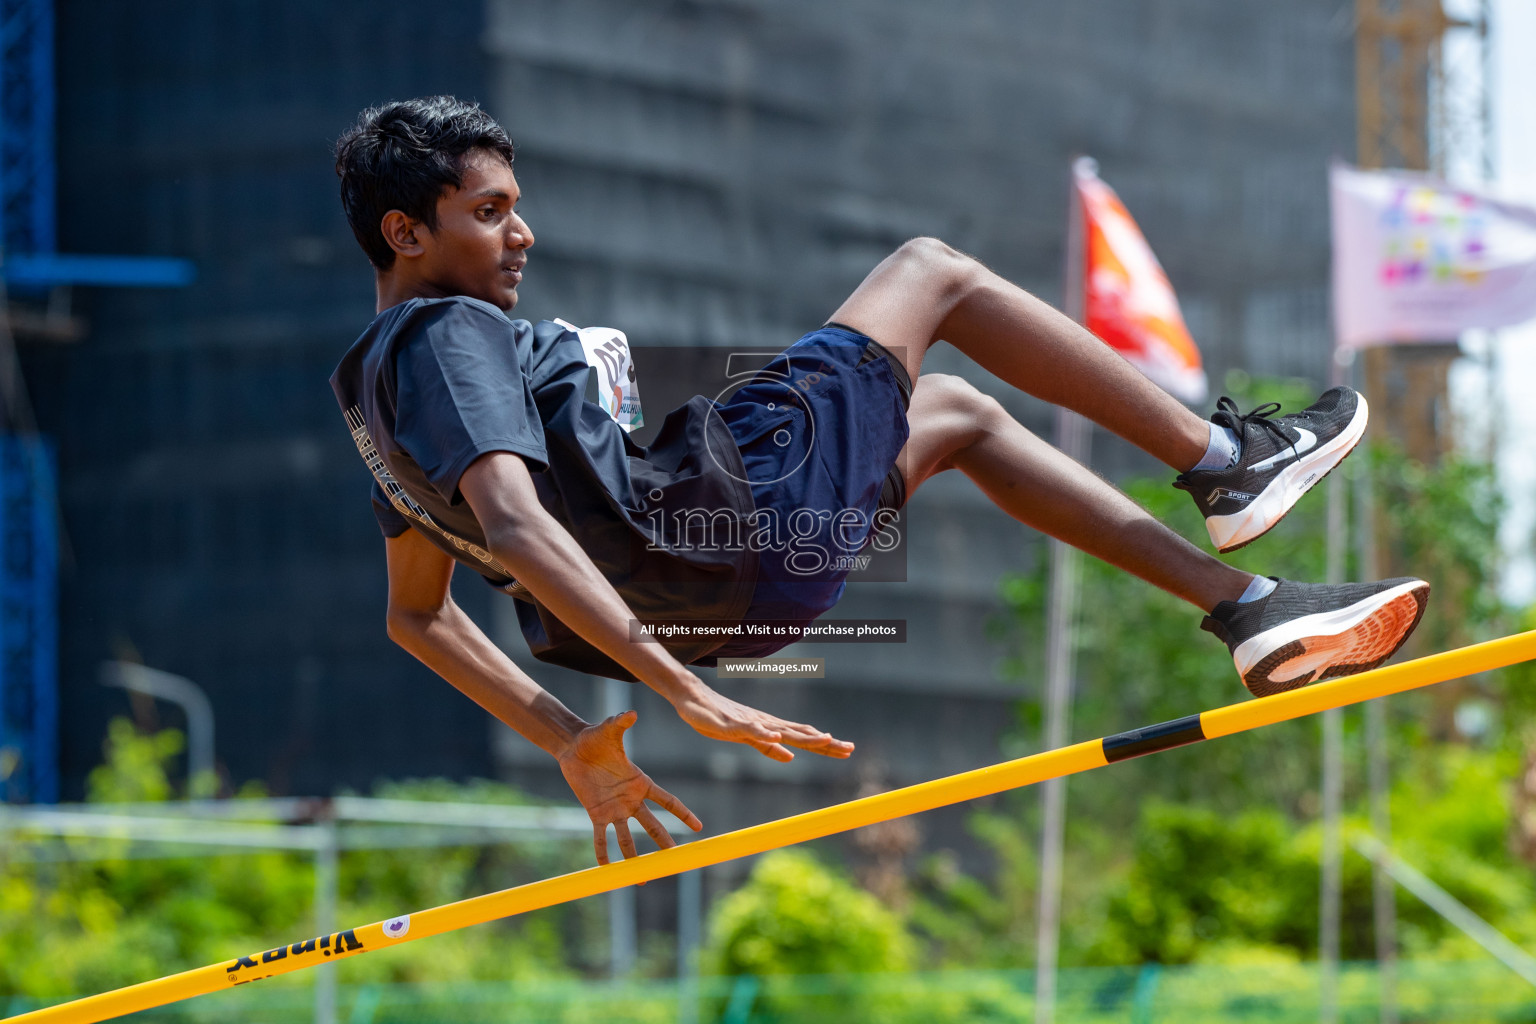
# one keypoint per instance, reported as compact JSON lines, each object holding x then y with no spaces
{"x":1417,"y":259}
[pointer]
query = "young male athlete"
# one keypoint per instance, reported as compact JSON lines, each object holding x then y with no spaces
{"x":486,"y":452}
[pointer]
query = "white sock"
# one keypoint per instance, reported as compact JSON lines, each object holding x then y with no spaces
{"x":1222,"y":450}
{"x":1259,"y":586}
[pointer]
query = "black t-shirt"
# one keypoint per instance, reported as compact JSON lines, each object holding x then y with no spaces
{"x":433,"y":384}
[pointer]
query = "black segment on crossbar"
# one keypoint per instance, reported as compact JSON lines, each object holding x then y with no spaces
{"x":1152,"y":738}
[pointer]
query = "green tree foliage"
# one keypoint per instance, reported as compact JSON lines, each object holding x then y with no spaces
{"x":1206,"y":887}
{"x":797,"y":916}
{"x":1441,"y":523}
{"x":968,"y":923}
{"x":1202,"y":879}
{"x":134,"y":770}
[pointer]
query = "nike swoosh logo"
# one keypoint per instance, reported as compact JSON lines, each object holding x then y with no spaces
{"x":1305,"y":443}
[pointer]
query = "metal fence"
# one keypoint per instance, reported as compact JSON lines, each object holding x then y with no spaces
{"x":1471,"y":991}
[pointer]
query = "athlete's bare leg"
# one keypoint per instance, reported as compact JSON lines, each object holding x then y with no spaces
{"x":955,"y":426}
{"x":926,"y":291}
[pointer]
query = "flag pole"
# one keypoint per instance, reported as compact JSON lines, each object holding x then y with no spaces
{"x":1331,"y":869}
{"x":1073,"y":437}
{"x":1379,"y":782}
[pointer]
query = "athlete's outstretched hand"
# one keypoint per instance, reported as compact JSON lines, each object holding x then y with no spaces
{"x":721,"y":718}
{"x":613,"y":790}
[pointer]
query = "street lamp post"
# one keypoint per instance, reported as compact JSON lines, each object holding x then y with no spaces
{"x":179,"y":691}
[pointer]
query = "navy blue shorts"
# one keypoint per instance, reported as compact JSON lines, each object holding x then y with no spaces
{"x":819,"y":429}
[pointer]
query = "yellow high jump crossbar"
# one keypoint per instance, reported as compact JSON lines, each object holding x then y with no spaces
{"x":898,"y":803}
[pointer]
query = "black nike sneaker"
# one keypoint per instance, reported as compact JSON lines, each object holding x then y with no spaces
{"x":1302,"y":632}
{"x":1278,"y":461}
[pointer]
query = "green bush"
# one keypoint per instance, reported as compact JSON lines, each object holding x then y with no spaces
{"x":1201,"y":879}
{"x":824,"y":950}
{"x":796,"y":916}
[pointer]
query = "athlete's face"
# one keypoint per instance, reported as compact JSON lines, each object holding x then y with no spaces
{"x":480,"y":244}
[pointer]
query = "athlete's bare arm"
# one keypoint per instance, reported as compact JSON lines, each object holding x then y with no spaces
{"x":424,"y":619}
{"x":546,"y":559}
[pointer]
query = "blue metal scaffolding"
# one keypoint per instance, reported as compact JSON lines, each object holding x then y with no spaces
{"x":28,"y":229}
{"x":29,"y":259}
{"x":29,"y":762}
{"x":29,"y":696}
{"x":26,"y":126}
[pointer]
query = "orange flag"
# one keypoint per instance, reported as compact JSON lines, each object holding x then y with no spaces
{"x":1128,"y":301}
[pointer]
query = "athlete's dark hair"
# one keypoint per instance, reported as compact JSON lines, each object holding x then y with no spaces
{"x":403,"y":156}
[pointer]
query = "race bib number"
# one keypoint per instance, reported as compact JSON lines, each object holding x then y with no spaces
{"x":618,"y":391}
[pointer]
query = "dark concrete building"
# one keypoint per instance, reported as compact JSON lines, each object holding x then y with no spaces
{"x":699,"y":172}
